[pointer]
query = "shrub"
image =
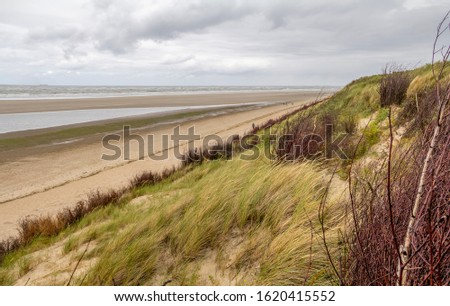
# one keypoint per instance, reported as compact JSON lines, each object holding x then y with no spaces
{"x":382,"y":217}
{"x":393,"y":86}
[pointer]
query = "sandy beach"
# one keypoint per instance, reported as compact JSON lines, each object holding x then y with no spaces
{"x":44,"y":179}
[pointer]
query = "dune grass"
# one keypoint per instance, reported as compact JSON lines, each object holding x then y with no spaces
{"x":218,"y":202}
{"x":254,"y":222}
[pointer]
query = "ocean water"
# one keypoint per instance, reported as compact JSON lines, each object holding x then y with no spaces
{"x":17,"y":92}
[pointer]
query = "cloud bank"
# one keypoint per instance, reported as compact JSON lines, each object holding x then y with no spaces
{"x":199,"y":42}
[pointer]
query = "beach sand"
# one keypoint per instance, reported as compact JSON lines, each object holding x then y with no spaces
{"x":44,"y":179}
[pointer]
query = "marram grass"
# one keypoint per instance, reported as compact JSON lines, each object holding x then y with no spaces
{"x":225,"y":222}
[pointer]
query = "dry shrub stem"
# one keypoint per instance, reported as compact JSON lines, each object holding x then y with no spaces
{"x":321,"y":216}
{"x":389,"y":193}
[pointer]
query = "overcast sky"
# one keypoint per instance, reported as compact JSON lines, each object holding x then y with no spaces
{"x":111,"y":42}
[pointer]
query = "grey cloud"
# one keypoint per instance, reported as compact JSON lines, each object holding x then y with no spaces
{"x":317,"y":27}
{"x":201,"y":41}
{"x":120,"y":29}
{"x":355,"y":26}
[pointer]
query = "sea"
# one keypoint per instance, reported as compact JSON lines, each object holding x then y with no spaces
{"x":21,"y":92}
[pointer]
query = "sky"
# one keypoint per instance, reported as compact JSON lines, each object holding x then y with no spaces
{"x":211,"y":42}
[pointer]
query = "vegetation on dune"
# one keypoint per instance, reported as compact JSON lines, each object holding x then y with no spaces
{"x":31,"y":228}
{"x":358,"y":114}
{"x":254,"y":221}
{"x":337,"y":119}
{"x":414,"y":249}
{"x":398,"y":208}
{"x":384,"y":215}
{"x":393,"y":86}
{"x":269,"y":217}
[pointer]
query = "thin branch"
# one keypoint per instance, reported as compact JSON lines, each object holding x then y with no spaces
{"x":322,"y":226}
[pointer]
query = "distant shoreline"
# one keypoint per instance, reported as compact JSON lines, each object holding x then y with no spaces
{"x":176,"y":100}
{"x":157,"y":94}
{"x":51,"y":92}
